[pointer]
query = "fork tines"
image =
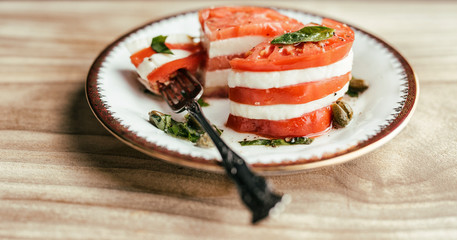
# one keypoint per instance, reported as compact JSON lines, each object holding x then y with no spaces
{"x":181,"y":90}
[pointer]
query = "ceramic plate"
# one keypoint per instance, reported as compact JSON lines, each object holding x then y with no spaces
{"x":122,"y":105}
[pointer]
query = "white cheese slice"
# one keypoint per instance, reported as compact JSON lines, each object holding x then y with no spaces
{"x":141,"y":43}
{"x":217,"y":78}
{"x":284,"y":111}
{"x":149,"y":64}
{"x":231,"y":46}
{"x":277,"y":79}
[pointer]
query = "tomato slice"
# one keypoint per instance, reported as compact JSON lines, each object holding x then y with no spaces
{"x":138,"y":57}
{"x":221,"y":62}
{"x":270,"y":57}
{"x":295,"y":94}
{"x":310,"y":124}
{"x":230,"y":22}
{"x":162,"y":73}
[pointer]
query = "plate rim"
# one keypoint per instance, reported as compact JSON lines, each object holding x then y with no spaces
{"x":387,"y":133}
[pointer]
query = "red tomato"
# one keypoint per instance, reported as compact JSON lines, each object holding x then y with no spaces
{"x":229,"y":22}
{"x":138,"y":57}
{"x":273,"y":57}
{"x":295,"y":94}
{"x":162,"y":73}
{"x":310,"y":124}
{"x":221,"y":62}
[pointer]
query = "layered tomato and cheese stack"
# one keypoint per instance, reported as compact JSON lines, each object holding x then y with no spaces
{"x":229,"y":32}
{"x":287,"y":90}
{"x":154,"y":68}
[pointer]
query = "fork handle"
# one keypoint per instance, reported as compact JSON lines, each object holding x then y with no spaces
{"x":254,"y":190}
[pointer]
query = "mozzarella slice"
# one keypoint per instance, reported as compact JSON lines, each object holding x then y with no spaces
{"x":231,"y":46}
{"x":217,"y":78}
{"x":151,"y":63}
{"x":284,"y":111}
{"x":179,"y":39}
{"x":138,"y":44}
{"x":277,"y":79}
{"x":141,"y":43}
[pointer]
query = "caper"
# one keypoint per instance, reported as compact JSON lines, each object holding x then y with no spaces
{"x":358,"y":85}
{"x":342,"y":113}
{"x":346,"y":107}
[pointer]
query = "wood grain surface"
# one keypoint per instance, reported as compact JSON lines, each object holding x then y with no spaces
{"x":63,"y":176}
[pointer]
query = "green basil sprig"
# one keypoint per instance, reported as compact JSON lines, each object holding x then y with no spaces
{"x":306,"y":34}
{"x":190,"y":129}
{"x":277,"y":142}
{"x":158,"y":45}
{"x":202,"y":102}
{"x":172,"y":127}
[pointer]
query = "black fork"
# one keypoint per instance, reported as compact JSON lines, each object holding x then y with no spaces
{"x":182,"y":93}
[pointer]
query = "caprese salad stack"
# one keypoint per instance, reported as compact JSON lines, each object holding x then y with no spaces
{"x":284,"y":87}
{"x":156,"y":61}
{"x":229,"y":32}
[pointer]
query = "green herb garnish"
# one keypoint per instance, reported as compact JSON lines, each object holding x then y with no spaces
{"x":165,"y":123}
{"x":158,"y":45}
{"x":202,"y":103}
{"x":306,"y":34}
{"x":277,"y":142}
{"x":190,"y":129}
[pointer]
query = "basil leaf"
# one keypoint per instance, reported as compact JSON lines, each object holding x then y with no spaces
{"x":190,"y":129}
{"x":202,"y":103}
{"x":219,"y":131}
{"x":266,"y":142}
{"x":160,"y":120}
{"x":306,"y":34}
{"x":277,"y":142}
{"x":192,"y":123}
{"x":158,"y":45}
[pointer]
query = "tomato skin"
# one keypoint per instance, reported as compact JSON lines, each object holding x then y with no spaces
{"x":195,"y":47}
{"x":229,"y":22}
{"x":162,"y":73}
{"x":310,"y":124}
{"x":221,"y":62}
{"x":295,"y":94}
{"x":269,"y":57}
{"x":139,"y":56}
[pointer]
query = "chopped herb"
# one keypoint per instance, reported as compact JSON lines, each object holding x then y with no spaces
{"x":158,"y":45}
{"x":165,"y":123}
{"x":306,"y":34}
{"x":356,"y":86}
{"x":202,"y":103}
{"x":192,"y":122}
{"x":219,"y":131}
{"x":190,"y":129}
{"x":277,"y":142}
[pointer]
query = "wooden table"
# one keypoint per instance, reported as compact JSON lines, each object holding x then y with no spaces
{"x":63,"y":176}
